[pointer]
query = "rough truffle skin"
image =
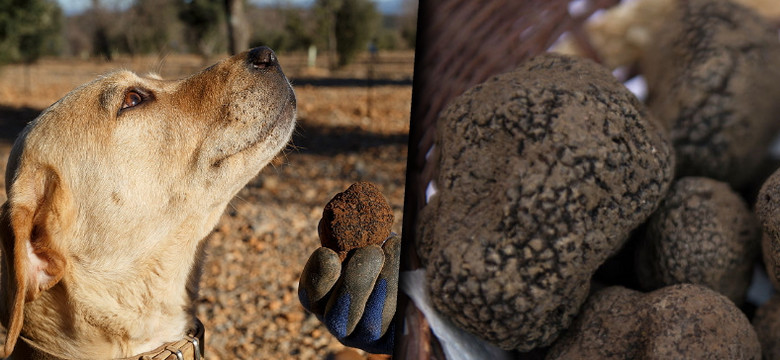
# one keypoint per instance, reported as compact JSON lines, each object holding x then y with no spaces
{"x":355,"y":218}
{"x":714,"y":80}
{"x":543,"y":172}
{"x":703,"y":233}
{"x":768,"y":212}
{"x":766,"y":322}
{"x":683,"y":321}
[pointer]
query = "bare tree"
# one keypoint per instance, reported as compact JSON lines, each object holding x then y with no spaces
{"x":28,"y":30}
{"x":356,"y":23}
{"x":203,"y":20}
{"x":149,"y":26}
{"x":325,"y":15}
{"x":101,"y":40}
{"x":409,"y":22}
{"x":238,"y":32}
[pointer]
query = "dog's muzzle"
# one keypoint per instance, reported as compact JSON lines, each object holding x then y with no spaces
{"x":189,"y":348}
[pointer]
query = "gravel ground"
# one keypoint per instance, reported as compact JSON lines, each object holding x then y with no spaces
{"x":249,"y":288}
{"x":249,"y":302}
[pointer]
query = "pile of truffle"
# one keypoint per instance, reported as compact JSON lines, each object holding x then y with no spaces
{"x":573,"y":218}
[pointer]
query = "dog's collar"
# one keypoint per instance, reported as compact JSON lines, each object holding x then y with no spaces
{"x":189,"y":348}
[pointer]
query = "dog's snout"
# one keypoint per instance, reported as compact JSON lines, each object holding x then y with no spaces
{"x":261,"y":58}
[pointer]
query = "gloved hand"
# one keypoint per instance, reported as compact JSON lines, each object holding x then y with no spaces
{"x":355,"y":299}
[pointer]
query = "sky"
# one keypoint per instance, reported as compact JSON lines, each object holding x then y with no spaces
{"x":77,"y":6}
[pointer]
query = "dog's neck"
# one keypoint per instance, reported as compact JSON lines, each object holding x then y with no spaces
{"x":190,"y":347}
{"x":135,"y":306}
{"x":156,"y":309}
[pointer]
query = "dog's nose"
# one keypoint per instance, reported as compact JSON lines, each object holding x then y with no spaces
{"x":261,"y":58}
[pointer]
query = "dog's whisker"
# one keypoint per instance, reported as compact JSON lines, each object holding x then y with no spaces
{"x":233,"y":206}
{"x":294,"y":147}
{"x":162,"y":57}
{"x":238,"y":197}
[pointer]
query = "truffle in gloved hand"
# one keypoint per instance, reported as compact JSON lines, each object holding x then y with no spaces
{"x":351,"y":282}
{"x":357,"y":217}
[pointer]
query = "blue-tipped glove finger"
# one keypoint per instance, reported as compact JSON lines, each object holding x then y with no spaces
{"x":359,"y":306}
{"x":374,"y":332}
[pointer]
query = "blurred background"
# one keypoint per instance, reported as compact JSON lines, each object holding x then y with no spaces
{"x":351,"y":64}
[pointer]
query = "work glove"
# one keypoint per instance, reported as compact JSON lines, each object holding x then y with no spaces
{"x":355,"y":299}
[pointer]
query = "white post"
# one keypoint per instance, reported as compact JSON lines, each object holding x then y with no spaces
{"x":312,"y":56}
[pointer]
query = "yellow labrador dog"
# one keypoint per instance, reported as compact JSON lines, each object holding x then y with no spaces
{"x":110,"y":193}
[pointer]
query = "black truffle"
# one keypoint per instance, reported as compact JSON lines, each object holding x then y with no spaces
{"x":714,"y":80}
{"x":766,"y":322}
{"x":543,"y":172}
{"x":703,"y":233}
{"x":768,"y":212}
{"x":677,"y":322}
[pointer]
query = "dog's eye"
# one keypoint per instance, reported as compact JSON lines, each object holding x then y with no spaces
{"x":132,"y":98}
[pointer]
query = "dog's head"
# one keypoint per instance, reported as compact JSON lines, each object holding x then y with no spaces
{"x":135,"y":158}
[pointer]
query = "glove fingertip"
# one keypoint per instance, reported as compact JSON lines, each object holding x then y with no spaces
{"x":320,"y":273}
{"x":392,"y":245}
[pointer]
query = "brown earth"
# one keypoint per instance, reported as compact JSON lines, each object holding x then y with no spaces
{"x":347,"y":132}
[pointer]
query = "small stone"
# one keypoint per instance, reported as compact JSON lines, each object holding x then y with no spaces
{"x":275,"y":305}
{"x":347,"y":354}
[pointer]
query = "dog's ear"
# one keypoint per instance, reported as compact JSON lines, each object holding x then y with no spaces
{"x":33,"y":263}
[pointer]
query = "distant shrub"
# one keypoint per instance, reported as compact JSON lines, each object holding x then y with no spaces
{"x":203,"y":20}
{"x":387,"y":39}
{"x":29,"y":29}
{"x":356,"y":24}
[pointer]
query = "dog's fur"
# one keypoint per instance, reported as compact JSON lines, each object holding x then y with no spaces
{"x":107,"y":207}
